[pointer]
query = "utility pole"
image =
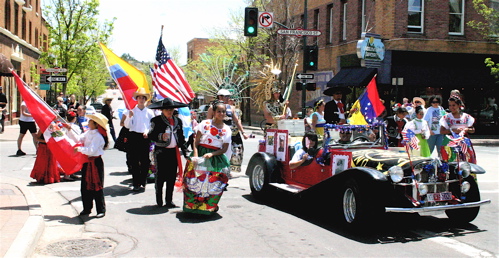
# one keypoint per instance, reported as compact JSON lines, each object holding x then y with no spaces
{"x":304,"y":85}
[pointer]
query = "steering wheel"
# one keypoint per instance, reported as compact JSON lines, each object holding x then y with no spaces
{"x":361,"y":138}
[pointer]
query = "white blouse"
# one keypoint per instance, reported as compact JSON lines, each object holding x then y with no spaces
{"x":418,"y":127}
{"x":93,"y":143}
{"x":464,"y":121}
{"x":212,"y":136}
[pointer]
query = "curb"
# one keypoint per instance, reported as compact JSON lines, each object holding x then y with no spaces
{"x":26,"y":240}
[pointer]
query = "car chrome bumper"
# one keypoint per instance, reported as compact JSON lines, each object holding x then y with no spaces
{"x":437,"y":208}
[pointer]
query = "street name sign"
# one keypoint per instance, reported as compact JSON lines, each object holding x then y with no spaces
{"x":302,"y":76}
{"x":56,"y":70}
{"x":299,"y":32}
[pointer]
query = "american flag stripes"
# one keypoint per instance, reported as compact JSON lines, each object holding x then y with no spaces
{"x":168,"y":79}
{"x":409,"y":136}
{"x":458,"y":141}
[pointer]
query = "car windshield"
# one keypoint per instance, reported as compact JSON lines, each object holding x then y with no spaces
{"x":345,"y":136}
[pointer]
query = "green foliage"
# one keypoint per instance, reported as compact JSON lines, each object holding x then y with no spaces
{"x":35,"y":77}
{"x":489,"y":28}
{"x":74,"y":34}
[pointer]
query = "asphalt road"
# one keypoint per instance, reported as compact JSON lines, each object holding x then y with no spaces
{"x":281,"y":227}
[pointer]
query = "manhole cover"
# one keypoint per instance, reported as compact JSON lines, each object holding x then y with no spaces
{"x":80,"y":247}
{"x":234,"y":206}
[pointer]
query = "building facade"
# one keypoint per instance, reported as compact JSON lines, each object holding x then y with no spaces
{"x":429,"y":47}
{"x":23,"y":36}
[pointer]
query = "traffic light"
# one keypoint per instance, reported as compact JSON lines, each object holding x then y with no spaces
{"x":311,"y":57}
{"x":310,"y":86}
{"x":251,"y":21}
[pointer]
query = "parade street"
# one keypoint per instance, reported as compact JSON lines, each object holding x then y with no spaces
{"x":135,"y":227}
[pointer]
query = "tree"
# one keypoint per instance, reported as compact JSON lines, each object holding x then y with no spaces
{"x":489,"y":28}
{"x":74,"y":33}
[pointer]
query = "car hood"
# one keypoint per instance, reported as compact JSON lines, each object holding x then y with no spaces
{"x":382,"y":160}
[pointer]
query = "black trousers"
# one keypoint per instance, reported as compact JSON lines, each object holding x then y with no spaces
{"x":138,"y":157}
{"x":166,"y":171}
{"x":89,"y":196}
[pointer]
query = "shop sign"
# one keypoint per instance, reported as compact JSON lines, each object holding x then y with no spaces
{"x":370,"y":47}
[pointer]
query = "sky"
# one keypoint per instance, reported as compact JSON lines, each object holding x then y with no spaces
{"x":138,"y":23}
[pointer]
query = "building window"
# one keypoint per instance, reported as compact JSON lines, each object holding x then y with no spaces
{"x":24,"y":28}
{"x":37,"y":38}
{"x":344,"y":20}
{"x":415,"y":16}
{"x":16,"y":19}
{"x":494,"y":29}
{"x":364,"y":19}
{"x":316,"y":24}
{"x":7,"y":15}
{"x":329,"y":28}
{"x":30,"y":32}
{"x":456,"y":17}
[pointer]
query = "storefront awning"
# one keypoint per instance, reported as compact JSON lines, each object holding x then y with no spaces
{"x":352,"y":76}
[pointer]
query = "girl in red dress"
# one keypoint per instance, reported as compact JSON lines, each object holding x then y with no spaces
{"x":45,"y":170}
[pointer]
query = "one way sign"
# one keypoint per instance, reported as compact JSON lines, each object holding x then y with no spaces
{"x":302,"y":76}
{"x":52,"y":79}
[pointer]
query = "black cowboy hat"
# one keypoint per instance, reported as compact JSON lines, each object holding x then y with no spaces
{"x":331,"y":90}
{"x":166,"y":103}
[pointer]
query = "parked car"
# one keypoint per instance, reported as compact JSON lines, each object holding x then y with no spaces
{"x":90,"y":110}
{"x":362,"y":179}
{"x":201,"y":112}
{"x":97,"y":106}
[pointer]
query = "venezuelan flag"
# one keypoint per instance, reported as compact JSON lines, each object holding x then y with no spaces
{"x":128,"y":78}
{"x":368,"y":106}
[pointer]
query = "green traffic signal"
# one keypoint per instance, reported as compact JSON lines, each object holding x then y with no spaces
{"x":250,"y":21}
{"x":311,"y":64}
{"x":251,"y":30}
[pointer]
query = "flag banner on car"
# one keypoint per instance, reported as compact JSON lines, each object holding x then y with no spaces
{"x":59,"y":144}
{"x":409,"y":136}
{"x":368,"y":106}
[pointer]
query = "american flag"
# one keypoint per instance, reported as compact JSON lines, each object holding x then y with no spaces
{"x":168,"y":79}
{"x":409,"y":136}
{"x":458,"y":141}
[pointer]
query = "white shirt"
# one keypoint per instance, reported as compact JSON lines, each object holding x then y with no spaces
{"x":464,"y":121}
{"x":340,"y":115}
{"x":93,"y":143}
{"x":213,"y":136}
{"x":418,"y":127}
{"x":297,"y":156}
{"x":140,"y":122}
{"x":23,"y":117}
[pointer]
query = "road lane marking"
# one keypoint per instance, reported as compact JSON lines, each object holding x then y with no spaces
{"x":461,"y":247}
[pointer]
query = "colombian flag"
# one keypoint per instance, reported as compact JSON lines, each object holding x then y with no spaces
{"x":368,"y":106}
{"x":128,"y":78}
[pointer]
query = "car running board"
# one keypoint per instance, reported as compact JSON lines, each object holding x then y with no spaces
{"x":289,"y":188}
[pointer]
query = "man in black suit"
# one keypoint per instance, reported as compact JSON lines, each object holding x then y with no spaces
{"x":334,"y":113}
{"x":168,"y":135}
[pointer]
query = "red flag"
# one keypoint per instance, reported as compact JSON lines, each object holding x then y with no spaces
{"x":57,"y":141}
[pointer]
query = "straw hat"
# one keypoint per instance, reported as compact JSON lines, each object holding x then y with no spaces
{"x":142,"y":92}
{"x":423,"y":103}
{"x":99,"y":119}
{"x":106,"y":98}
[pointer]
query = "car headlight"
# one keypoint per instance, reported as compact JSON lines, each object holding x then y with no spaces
{"x":423,"y":189}
{"x":465,"y":168}
{"x":396,"y":173}
{"x":465,"y":187}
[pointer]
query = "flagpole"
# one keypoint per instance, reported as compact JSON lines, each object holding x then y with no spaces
{"x":288,"y":91}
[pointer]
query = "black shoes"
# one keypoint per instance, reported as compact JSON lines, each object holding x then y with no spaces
{"x":170,"y":205}
{"x":20,"y":153}
{"x":84,"y":212}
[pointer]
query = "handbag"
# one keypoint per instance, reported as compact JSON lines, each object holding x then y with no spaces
{"x":121,"y":143}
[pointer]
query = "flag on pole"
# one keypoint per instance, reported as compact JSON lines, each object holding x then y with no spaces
{"x":409,"y":136}
{"x":168,"y":79}
{"x":59,"y":144}
{"x":368,"y":106}
{"x":127,"y":77}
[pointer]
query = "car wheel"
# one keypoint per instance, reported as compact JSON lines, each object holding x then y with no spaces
{"x":466,"y":215}
{"x":354,"y":205}
{"x":259,"y":177}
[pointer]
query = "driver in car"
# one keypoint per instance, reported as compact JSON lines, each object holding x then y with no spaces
{"x":307,"y":152}
{"x":345,"y":137}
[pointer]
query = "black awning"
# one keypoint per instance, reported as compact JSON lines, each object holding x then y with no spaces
{"x":352,"y":77}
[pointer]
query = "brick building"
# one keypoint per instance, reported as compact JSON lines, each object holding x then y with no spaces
{"x":429,"y":48}
{"x":23,"y":35}
{"x":197,"y":46}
